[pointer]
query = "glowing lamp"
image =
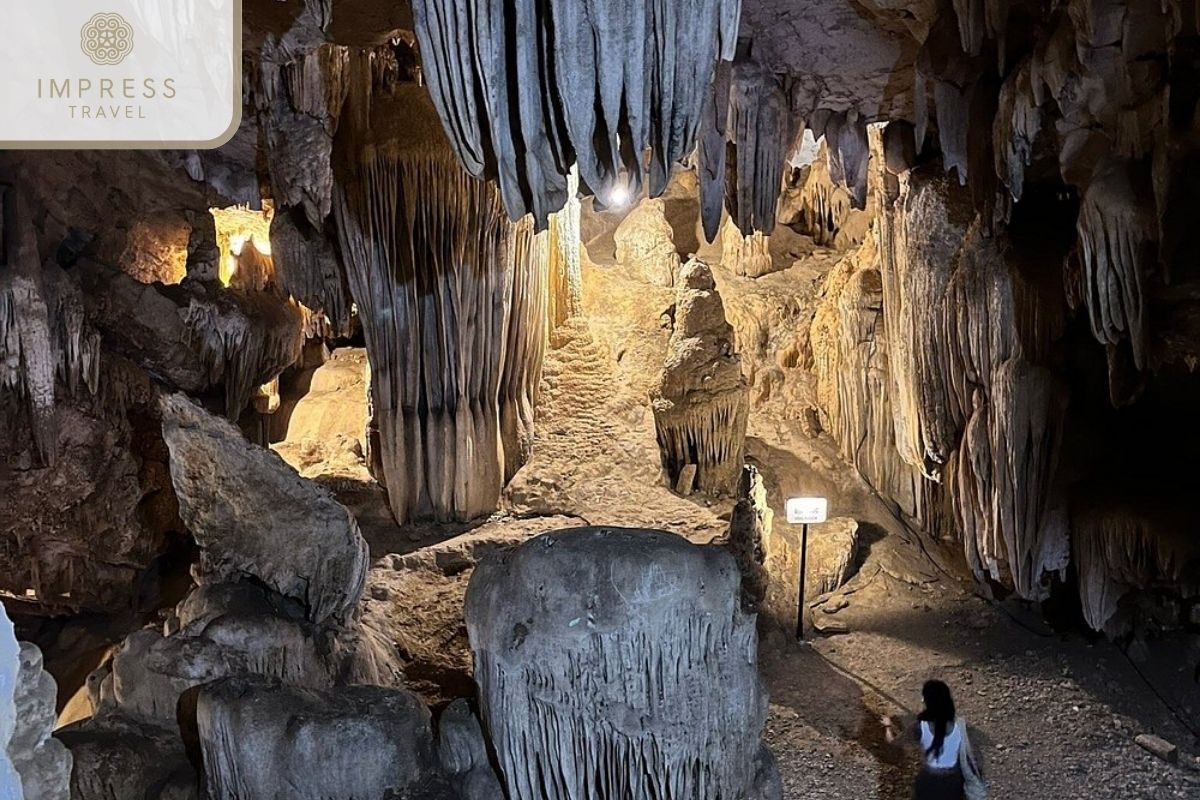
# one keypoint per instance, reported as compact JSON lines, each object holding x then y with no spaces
{"x":618,"y":196}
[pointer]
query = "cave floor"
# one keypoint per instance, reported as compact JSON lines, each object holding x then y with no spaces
{"x":1055,"y":716}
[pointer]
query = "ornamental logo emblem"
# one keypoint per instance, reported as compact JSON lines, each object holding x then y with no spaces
{"x":106,"y":38}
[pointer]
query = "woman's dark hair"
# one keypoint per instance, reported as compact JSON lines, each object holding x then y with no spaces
{"x":939,"y":712}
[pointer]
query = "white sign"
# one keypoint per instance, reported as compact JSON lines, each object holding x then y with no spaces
{"x":120,"y":73}
{"x":806,"y":510}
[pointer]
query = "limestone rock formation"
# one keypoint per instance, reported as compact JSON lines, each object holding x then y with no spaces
{"x":197,"y":335}
{"x":356,"y":742}
{"x":748,"y":256}
{"x":453,"y":302}
{"x":252,"y":515}
{"x":645,"y":245}
{"x":701,"y":401}
{"x":626,"y":79}
{"x":616,"y":658}
{"x":33,"y":766}
{"x":463,"y":753}
{"x":750,"y":525}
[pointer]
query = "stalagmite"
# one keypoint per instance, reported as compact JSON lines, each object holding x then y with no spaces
{"x":645,"y":244}
{"x":352,"y":743}
{"x":253,"y":515}
{"x":819,"y":206}
{"x":33,"y":766}
{"x":452,"y":297}
{"x":524,"y":94}
{"x":749,"y":256}
{"x":701,"y":402}
{"x":463,"y":753}
{"x":749,"y":527}
{"x":616,"y":663}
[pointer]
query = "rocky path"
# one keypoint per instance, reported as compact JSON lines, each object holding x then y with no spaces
{"x":1054,"y":717}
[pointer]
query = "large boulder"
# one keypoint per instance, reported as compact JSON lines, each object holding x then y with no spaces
{"x":352,"y":743}
{"x":619,"y":657}
{"x":252,"y":515}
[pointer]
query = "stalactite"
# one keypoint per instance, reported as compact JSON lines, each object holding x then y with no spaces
{"x":298,"y":98}
{"x":523,"y":93}
{"x":525,"y":306}
{"x":1017,"y":126}
{"x":1117,"y":233}
{"x":963,"y":427}
{"x":46,"y":347}
{"x":452,"y":299}
{"x":712,"y":150}
{"x":616,"y":663}
{"x":309,"y":269}
{"x":1118,"y":549}
{"x":244,"y":339}
{"x":702,"y":401}
{"x":758,"y":126}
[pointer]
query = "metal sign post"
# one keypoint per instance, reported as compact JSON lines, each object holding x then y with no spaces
{"x":804,"y":511}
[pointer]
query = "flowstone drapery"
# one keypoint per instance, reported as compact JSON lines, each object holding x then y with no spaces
{"x":453,"y":301}
{"x":526,"y":89}
{"x":617,"y":663}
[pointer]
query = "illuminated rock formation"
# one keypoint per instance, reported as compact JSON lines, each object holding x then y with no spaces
{"x":453,"y":299}
{"x":627,"y":78}
{"x":616,"y":658}
{"x":749,"y":256}
{"x":645,"y":245}
{"x":964,"y":402}
{"x":701,"y":401}
{"x":307,"y":547}
{"x":33,"y":766}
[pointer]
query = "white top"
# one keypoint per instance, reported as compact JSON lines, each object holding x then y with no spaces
{"x":949,"y":755}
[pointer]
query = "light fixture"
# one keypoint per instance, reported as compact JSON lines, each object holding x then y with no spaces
{"x":618,"y":196}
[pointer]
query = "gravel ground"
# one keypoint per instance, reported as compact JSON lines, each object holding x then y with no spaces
{"x":1052,"y":717}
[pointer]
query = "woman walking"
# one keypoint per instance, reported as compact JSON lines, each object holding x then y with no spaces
{"x":949,"y":770}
